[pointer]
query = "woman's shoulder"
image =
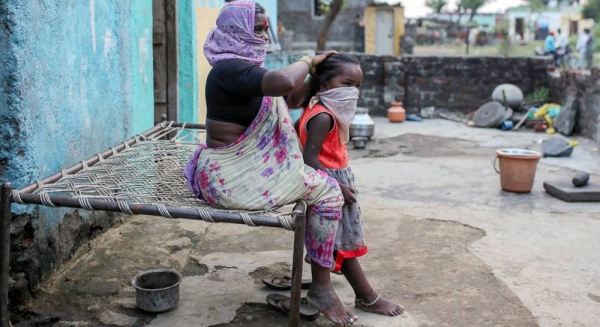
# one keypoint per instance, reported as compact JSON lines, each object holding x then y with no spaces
{"x":233,"y":64}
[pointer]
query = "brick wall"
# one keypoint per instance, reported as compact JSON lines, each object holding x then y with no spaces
{"x":460,"y":84}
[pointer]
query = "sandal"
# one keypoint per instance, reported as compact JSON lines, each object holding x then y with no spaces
{"x":284,"y":283}
{"x":282,"y":303}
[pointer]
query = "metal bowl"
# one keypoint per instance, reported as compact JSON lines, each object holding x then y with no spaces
{"x":157,"y":290}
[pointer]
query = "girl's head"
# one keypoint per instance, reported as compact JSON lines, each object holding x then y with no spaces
{"x":338,"y":70}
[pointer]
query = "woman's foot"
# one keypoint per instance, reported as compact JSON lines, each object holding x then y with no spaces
{"x":379,"y":305}
{"x":328,"y":303}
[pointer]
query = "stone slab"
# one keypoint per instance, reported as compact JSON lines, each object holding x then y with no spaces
{"x":566,"y":191}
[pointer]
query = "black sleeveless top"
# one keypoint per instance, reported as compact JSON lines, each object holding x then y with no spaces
{"x":233,"y":91}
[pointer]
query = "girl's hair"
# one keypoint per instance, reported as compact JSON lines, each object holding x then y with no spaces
{"x":329,"y":68}
{"x":258,"y":9}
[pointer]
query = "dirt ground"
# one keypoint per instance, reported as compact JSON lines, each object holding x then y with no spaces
{"x":444,"y":242}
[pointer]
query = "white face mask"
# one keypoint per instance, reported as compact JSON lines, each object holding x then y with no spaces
{"x":342,"y":102}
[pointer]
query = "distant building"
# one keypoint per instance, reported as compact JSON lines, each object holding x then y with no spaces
{"x":484,"y":22}
{"x":305,"y":19}
{"x":529,"y":24}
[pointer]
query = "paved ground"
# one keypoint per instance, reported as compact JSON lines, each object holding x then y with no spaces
{"x":444,"y":241}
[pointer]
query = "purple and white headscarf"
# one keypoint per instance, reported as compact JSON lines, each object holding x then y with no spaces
{"x":233,"y":37}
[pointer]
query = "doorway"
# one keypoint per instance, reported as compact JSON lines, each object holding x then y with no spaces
{"x":520,"y":28}
{"x":384,"y":40}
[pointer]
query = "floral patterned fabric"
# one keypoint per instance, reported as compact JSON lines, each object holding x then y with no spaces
{"x":233,"y":37}
{"x":264,"y":169}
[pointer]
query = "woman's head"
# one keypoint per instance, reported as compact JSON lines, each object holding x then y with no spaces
{"x":337,"y":70}
{"x":261,"y":23}
{"x":240,"y":33}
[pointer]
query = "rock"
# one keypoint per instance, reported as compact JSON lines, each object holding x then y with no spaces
{"x":556,"y":147}
{"x":73,"y":324}
{"x":428,"y":112}
{"x":566,"y":119}
{"x":490,"y":114}
{"x":109,"y":318}
{"x":581,"y":179}
{"x":514,"y":95}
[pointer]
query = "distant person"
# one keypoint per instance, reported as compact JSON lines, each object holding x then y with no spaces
{"x":550,"y":45}
{"x":585,"y":46}
{"x":563,"y":39}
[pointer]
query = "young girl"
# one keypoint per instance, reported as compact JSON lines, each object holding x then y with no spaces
{"x":323,"y":130}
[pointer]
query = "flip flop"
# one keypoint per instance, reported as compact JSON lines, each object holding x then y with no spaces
{"x":284,"y":283}
{"x":282,"y":303}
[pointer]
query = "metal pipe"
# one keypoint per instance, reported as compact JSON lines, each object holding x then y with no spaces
{"x":189,"y":125}
{"x":90,"y":162}
{"x":299,"y":215}
{"x":148,"y":209}
{"x":5,"y":217}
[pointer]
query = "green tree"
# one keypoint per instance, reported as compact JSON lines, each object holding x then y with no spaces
{"x":334,"y":7}
{"x":471,"y":6}
{"x":592,"y":10}
{"x":537,"y":5}
{"x":436,"y":5}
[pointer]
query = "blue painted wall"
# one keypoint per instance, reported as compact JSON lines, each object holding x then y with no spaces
{"x":188,"y":69}
{"x":76,"y":77}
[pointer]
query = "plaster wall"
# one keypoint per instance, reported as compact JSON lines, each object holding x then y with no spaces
{"x":76,"y":77}
{"x":188,"y":69}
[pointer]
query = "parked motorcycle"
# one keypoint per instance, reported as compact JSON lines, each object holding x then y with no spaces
{"x":564,"y":57}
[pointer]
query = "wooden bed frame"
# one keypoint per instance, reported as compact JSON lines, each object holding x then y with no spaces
{"x":165,"y":132}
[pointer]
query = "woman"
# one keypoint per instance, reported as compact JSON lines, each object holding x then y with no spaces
{"x":252,"y":158}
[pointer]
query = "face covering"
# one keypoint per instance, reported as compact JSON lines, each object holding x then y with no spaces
{"x":342,"y":102}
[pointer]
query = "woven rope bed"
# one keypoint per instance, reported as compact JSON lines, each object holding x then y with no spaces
{"x":143,"y":175}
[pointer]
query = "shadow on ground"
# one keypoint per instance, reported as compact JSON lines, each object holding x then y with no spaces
{"x":423,"y":264}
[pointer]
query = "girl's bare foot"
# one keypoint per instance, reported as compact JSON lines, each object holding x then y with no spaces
{"x":379,"y":305}
{"x":328,"y":303}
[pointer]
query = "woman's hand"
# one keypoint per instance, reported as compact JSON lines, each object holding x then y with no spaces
{"x":349,"y":194}
{"x":319,"y":58}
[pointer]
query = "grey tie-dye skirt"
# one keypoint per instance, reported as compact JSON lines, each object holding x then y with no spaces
{"x":350,"y":239}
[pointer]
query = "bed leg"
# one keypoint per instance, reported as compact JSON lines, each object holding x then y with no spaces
{"x":297,"y":263}
{"x":5,"y":217}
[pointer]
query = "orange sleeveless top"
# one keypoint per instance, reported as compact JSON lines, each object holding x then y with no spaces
{"x":334,"y":154}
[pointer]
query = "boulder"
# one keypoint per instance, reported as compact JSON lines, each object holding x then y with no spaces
{"x":556,"y":147}
{"x":514,"y":95}
{"x":567,"y":118}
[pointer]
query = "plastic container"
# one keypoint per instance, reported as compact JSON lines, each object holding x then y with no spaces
{"x":396,"y":113}
{"x":517,"y":169}
{"x":157,"y":290}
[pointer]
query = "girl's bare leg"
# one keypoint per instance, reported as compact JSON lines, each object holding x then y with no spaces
{"x":322,"y":296}
{"x":366,"y":298}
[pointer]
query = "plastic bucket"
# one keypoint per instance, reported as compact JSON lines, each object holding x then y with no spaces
{"x":517,"y":169}
{"x":157,"y":290}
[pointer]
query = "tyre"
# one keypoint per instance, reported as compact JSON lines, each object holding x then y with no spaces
{"x":571,"y":62}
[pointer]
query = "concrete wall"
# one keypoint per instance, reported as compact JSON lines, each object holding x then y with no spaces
{"x":586,"y":87}
{"x":188,"y":69}
{"x":75,"y":78}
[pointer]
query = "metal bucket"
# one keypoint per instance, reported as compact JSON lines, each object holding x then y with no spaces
{"x":157,"y":290}
{"x":362,"y":125}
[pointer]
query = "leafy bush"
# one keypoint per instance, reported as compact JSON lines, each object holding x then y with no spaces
{"x":542,"y":94}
